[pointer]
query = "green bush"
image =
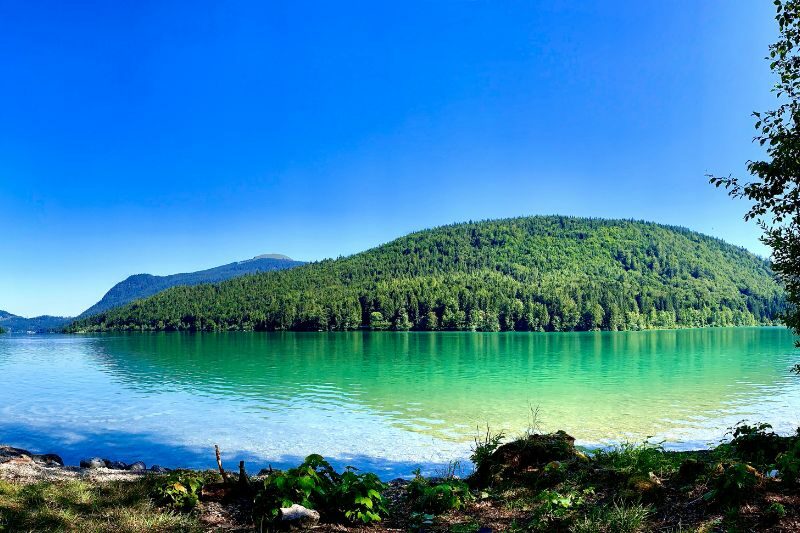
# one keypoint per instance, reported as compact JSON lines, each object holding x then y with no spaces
{"x":731,"y":483}
{"x":180,"y":489}
{"x":485,"y":446}
{"x":358,"y":497}
{"x":428,"y":497}
{"x":756,"y":444}
{"x":314,"y":484}
{"x":788,"y":463}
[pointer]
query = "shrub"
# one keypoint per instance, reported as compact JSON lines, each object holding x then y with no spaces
{"x":180,"y":489}
{"x":485,"y":446}
{"x":731,"y":483}
{"x":358,"y":497}
{"x":436,"y":498}
{"x":756,"y":444}
{"x":314,"y":484}
{"x":775,"y":511}
{"x":788,"y":463}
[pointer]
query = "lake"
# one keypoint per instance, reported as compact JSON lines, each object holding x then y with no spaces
{"x":387,"y":402}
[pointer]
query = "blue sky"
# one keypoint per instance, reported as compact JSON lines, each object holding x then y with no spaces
{"x":165,"y":137}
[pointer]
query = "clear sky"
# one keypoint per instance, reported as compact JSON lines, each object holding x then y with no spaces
{"x":166,"y":137}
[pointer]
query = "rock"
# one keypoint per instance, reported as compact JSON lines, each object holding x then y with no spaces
{"x":48,"y":459}
{"x":525,"y":457}
{"x":297,"y":515}
{"x":138,"y":466}
{"x":93,"y":462}
{"x":8,"y":451}
{"x":159,"y":469}
{"x":117,"y":465}
{"x":647,"y":488}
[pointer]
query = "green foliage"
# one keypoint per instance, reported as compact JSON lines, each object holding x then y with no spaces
{"x":788,"y":462}
{"x":316,"y":485}
{"x":731,"y":483}
{"x":2,"y":330}
{"x":359,"y":497}
{"x":308,"y":485}
{"x":775,"y":511}
{"x":556,"y":505}
{"x":180,"y":490}
{"x":756,"y":444}
{"x":426,"y":497}
{"x":775,"y":191}
{"x":617,"y":518}
{"x":638,"y":459}
{"x":524,"y":274}
{"x":485,"y":445}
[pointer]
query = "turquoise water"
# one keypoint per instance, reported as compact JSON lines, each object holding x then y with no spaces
{"x":388,"y":402}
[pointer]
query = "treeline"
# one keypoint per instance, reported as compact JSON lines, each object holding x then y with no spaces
{"x":532,"y":274}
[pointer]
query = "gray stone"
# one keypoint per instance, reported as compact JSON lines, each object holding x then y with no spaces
{"x":159,"y":469}
{"x":48,"y":459}
{"x":93,"y":462}
{"x":117,"y":465}
{"x":138,"y":466}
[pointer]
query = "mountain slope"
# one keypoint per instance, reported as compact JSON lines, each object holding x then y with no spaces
{"x":18,"y":324}
{"x":143,"y":285}
{"x":532,"y":273}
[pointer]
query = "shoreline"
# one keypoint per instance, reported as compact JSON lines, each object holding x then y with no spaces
{"x":542,"y":480}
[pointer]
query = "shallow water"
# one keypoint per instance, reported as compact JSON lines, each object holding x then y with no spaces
{"x":387,"y":402}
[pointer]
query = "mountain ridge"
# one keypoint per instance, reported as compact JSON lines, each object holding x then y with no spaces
{"x":550,"y":273}
{"x":139,"y":286}
{"x":143,"y":285}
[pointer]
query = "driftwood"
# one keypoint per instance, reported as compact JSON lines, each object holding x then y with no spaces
{"x":244,"y":483}
{"x":219,"y":464}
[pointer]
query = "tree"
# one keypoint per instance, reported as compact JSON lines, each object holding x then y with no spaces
{"x":775,"y":191}
{"x":401,"y":322}
{"x":2,"y":331}
{"x":376,"y":321}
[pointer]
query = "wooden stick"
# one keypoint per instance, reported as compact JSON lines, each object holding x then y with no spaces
{"x":219,"y":464}
{"x":243,"y":484}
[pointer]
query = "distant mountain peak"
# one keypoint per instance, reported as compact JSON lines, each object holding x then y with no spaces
{"x":272,"y":256}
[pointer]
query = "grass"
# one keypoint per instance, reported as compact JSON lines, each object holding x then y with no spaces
{"x":120,"y":506}
{"x":619,"y":517}
{"x":639,"y":459}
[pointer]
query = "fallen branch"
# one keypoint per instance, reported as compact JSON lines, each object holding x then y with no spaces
{"x":219,"y":464}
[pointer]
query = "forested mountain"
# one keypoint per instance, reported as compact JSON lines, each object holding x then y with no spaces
{"x":537,"y":273}
{"x":143,"y":285}
{"x":18,"y":324}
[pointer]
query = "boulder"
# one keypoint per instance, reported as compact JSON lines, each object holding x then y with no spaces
{"x":138,"y":466}
{"x":93,"y":462}
{"x":117,"y":465}
{"x":159,"y":469}
{"x":297,"y":515}
{"x":525,"y":457}
{"x":645,"y":488}
{"x":48,"y":459}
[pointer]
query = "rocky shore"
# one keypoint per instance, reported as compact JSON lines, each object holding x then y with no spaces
{"x":21,"y":465}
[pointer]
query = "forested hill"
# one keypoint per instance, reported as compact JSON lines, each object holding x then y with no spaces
{"x":143,"y":285}
{"x":38,"y":324}
{"x":536,"y":273}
